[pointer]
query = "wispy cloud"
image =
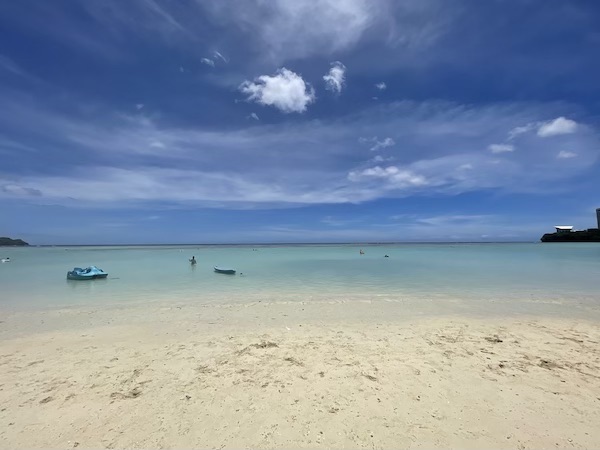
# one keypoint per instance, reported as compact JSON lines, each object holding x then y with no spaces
{"x":253,"y":116}
{"x":207,"y":61}
{"x":326,"y":26}
{"x":132,"y":159}
{"x":387,"y":142}
{"x":381,"y":86}
{"x":285,"y":90}
{"x":517,"y":131}
{"x":9,"y":65}
{"x":501,"y":148}
{"x":218,"y":55}
{"x":563,"y":154}
{"x":335,"y":78}
{"x":377,"y":144}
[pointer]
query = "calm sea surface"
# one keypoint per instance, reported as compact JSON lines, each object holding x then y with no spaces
{"x":472,"y":277}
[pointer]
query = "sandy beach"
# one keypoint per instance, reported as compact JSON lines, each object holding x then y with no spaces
{"x":296,"y":375}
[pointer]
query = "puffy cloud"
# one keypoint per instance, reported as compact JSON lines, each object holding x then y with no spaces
{"x":563,"y":154}
{"x":207,"y":61}
{"x":335,"y":78}
{"x":501,"y":148}
{"x":381,"y":86}
{"x":285,"y":90}
{"x":560,"y":125}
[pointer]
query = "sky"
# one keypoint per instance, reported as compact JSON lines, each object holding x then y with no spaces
{"x":254,"y":121}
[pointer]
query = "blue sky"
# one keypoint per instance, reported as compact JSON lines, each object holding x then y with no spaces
{"x":247,"y":121}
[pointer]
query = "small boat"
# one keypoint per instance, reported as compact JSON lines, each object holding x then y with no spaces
{"x":5,"y":260}
{"x":89,"y":273}
{"x":225,"y":270}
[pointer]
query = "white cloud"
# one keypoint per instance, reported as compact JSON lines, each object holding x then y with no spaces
{"x":397,"y":178}
{"x":381,"y":86}
{"x":335,"y":78}
{"x":220,"y":56}
{"x":300,"y":28}
{"x":19,"y":191}
{"x":286,"y":91}
{"x":501,"y":148}
{"x":387,"y":142}
{"x":517,"y":131}
{"x":298,"y":162}
{"x":212,"y":62}
{"x":139,"y":106}
{"x":253,"y":116}
{"x":157,"y":144}
{"x":379,"y":158}
{"x":560,"y":125}
{"x":563,"y":154}
{"x":295,"y":29}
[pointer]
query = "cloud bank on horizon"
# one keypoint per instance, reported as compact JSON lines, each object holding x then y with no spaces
{"x":264,"y":111}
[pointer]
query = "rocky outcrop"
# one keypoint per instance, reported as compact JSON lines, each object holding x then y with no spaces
{"x":589,"y":235}
{"x":5,"y":241}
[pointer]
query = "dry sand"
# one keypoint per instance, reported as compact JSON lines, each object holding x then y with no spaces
{"x":296,"y":376}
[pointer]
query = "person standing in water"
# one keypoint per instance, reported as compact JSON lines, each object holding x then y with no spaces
{"x":193,"y":260}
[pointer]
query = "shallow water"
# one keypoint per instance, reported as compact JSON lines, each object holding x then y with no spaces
{"x":481,"y":277}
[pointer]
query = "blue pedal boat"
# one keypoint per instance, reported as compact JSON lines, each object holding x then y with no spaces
{"x":89,"y":273}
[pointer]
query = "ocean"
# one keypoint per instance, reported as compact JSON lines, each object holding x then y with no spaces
{"x":505,"y":278}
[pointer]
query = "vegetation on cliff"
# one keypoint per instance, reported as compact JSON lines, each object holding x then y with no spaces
{"x":5,"y":241}
{"x":589,"y":235}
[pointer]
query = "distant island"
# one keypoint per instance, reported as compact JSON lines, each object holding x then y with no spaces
{"x":589,"y":235}
{"x":5,"y":242}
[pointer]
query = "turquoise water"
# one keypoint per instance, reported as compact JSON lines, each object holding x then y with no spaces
{"x":513,"y":275}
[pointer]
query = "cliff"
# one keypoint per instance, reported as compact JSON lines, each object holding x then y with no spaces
{"x":590,"y":235}
{"x":4,"y":241}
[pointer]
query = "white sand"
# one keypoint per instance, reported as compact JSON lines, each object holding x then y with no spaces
{"x":296,"y":375}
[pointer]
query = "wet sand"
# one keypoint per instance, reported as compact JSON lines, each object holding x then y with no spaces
{"x":292,"y":375}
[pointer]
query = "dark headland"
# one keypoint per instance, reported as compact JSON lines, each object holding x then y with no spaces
{"x":6,"y":242}
{"x":589,"y":235}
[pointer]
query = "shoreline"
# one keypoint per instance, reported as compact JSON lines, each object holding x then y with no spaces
{"x":298,"y":375}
